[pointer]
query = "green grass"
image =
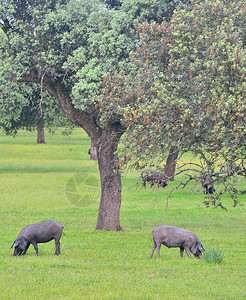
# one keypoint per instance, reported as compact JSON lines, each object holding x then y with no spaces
{"x":213,"y":256}
{"x":34,"y":183}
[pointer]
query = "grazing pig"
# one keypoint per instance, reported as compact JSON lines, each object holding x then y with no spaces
{"x":42,"y":232}
{"x":208,"y":185}
{"x":171,"y":237}
{"x":153,"y":177}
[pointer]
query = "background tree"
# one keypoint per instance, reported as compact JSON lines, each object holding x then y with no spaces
{"x":70,"y":46}
{"x":22,"y":108}
{"x":186,"y":89}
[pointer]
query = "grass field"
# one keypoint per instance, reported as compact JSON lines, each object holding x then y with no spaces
{"x":42,"y":182}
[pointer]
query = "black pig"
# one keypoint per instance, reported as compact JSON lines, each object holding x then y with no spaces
{"x":171,"y":237}
{"x":42,"y":232}
{"x":208,"y":185}
{"x":153,"y":177}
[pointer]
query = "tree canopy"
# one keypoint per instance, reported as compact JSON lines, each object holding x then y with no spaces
{"x":79,"y":40}
{"x":187,"y":88}
{"x":68,"y":47}
{"x":23,"y":106}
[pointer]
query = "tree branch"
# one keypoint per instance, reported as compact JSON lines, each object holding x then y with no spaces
{"x":178,"y":186}
{"x":56,"y":88}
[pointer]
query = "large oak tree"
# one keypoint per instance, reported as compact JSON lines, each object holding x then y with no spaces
{"x":68,"y":47}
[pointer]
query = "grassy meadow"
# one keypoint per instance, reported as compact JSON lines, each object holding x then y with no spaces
{"x":43,"y":182}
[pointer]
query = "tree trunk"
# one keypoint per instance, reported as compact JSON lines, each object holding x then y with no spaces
{"x":92,"y":151}
{"x":171,"y":162}
{"x":105,"y":139}
{"x":110,"y":202}
{"x":40,"y":133}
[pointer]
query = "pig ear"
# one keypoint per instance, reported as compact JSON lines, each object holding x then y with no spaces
{"x":201,"y":248}
{"x":15,"y":244}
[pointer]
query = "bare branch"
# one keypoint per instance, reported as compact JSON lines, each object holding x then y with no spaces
{"x":185,"y":170}
{"x":178,"y":186}
{"x":185,"y":164}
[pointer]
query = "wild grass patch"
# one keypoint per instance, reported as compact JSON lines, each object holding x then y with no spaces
{"x":213,"y":256}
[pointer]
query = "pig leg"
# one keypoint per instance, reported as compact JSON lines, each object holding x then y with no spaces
{"x":188,"y":252}
{"x":153,"y":249}
{"x":181,"y":252}
{"x":144,"y":183}
{"x":35,"y":245}
{"x":26,"y":249}
{"x":58,"y":251}
{"x":158,"y":250}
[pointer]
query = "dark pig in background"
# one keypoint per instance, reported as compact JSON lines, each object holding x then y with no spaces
{"x":42,"y":232}
{"x":171,"y":236}
{"x":154,"y":177}
{"x":208,"y":185}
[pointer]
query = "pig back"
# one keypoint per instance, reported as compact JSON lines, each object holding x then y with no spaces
{"x":172,"y":236}
{"x":42,"y":232}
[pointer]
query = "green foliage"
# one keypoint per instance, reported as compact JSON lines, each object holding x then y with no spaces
{"x":187,"y":88}
{"x":79,"y":41}
{"x":152,"y":10}
{"x":207,"y":66}
{"x":21,"y":107}
{"x":13,"y":98}
{"x":213,"y":256}
{"x":68,"y":40}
